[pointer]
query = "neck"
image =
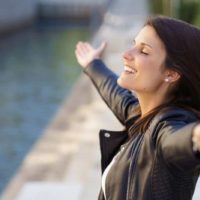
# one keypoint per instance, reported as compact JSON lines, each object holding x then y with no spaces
{"x":148,"y":102}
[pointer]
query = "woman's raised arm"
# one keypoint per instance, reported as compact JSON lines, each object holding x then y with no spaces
{"x":121,"y":101}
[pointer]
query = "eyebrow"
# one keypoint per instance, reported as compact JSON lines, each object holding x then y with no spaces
{"x":143,"y":44}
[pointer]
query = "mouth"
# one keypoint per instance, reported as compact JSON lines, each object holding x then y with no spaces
{"x":129,"y":70}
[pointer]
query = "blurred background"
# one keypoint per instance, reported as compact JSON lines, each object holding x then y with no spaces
{"x":187,"y":10}
{"x":37,"y":68}
{"x":37,"y":64}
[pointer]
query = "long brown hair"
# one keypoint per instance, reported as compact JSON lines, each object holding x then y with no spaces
{"x":182,"y":44}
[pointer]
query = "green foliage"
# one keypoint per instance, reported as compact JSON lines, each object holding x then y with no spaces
{"x":196,"y":20}
{"x":162,"y":7}
{"x":156,"y":6}
{"x":188,"y":11}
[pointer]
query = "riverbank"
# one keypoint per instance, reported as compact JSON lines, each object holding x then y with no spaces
{"x":39,"y":72}
{"x":67,"y":157}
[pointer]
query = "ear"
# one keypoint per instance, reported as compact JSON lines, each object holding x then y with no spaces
{"x":172,"y":76}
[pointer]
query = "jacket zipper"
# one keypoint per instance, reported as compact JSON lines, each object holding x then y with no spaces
{"x":134,"y":156}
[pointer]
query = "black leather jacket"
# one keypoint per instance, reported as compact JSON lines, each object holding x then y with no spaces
{"x":163,"y":165}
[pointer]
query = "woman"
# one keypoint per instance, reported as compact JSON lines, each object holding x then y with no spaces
{"x":156,"y":156}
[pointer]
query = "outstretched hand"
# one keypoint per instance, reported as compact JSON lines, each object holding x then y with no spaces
{"x":85,"y":53}
{"x":196,"y":138}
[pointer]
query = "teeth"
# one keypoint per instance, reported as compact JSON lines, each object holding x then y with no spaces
{"x":128,"y":69}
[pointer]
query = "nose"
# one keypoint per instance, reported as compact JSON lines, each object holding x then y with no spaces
{"x":129,"y":54}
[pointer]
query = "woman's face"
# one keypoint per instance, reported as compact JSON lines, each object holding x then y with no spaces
{"x":144,"y":70}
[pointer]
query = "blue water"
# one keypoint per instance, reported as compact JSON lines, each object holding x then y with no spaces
{"x":37,"y":71}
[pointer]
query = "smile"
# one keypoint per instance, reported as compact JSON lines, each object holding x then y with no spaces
{"x":129,"y":70}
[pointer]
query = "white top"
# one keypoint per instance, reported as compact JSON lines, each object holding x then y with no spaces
{"x":105,"y":173}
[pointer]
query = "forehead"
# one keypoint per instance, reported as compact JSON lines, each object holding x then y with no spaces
{"x":149,"y":36}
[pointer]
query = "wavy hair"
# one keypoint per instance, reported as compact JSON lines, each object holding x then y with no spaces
{"x":182,"y":44}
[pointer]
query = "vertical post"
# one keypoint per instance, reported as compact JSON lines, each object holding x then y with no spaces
{"x":167,"y":7}
{"x":174,"y":8}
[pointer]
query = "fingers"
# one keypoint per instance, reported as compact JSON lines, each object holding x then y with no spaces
{"x":79,"y":53}
{"x":88,"y":46}
{"x":103,"y":45}
{"x":84,"y":46}
{"x":81,"y":49}
{"x":85,"y":53}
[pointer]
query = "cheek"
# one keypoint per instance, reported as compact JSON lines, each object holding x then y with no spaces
{"x":150,"y":67}
{"x":146,"y":63}
{"x":150,"y":74}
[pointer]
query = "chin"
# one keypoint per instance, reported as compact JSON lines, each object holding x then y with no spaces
{"x":124,"y":85}
{"x":121,"y":83}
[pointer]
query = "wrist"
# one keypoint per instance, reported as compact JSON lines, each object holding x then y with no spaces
{"x":92,"y":62}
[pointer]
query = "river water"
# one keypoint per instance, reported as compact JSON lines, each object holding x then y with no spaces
{"x":37,"y":71}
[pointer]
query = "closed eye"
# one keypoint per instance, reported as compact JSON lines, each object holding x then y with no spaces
{"x":144,"y":52}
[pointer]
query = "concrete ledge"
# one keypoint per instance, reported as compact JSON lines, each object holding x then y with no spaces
{"x":50,"y":156}
{"x":15,"y":26}
{"x":50,"y":191}
{"x":69,"y":10}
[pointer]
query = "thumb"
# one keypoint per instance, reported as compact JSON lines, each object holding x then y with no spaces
{"x":102,"y":47}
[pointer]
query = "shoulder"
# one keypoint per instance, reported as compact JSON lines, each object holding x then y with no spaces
{"x":171,"y":118}
{"x":174,"y":113}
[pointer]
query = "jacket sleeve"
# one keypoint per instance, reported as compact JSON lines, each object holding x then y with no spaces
{"x":119,"y":100}
{"x":174,"y":144}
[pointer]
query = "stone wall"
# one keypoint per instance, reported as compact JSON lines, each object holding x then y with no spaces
{"x":16,"y":13}
{"x":81,"y":10}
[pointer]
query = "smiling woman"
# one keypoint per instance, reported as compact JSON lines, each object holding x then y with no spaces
{"x":147,"y":58}
{"x":157,"y":155}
